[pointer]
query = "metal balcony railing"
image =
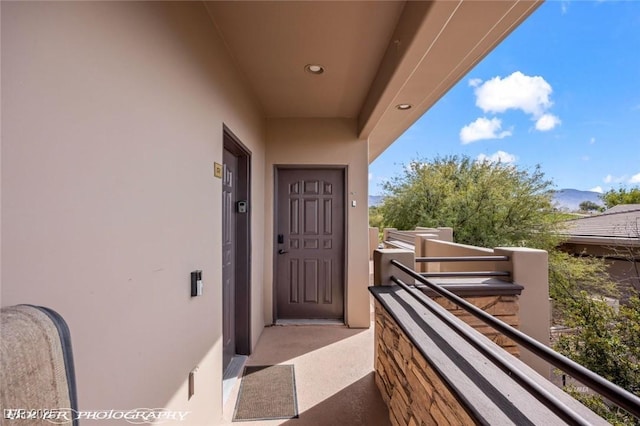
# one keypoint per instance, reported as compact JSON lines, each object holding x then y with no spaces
{"x":610,"y":391}
{"x":440,"y":259}
{"x":465,"y":274}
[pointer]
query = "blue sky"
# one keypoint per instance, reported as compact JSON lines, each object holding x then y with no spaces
{"x":562,"y":91}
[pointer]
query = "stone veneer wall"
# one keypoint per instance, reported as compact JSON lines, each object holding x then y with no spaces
{"x":471,"y":390}
{"x":411,"y":388}
{"x":504,"y":308}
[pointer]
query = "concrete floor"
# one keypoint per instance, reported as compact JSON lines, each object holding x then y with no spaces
{"x":333,"y":370}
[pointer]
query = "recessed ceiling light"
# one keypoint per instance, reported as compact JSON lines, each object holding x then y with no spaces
{"x":314,"y":69}
{"x":404,"y":107}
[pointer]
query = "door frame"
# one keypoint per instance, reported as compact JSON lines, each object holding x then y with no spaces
{"x":242,"y":283}
{"x":345,"y":174}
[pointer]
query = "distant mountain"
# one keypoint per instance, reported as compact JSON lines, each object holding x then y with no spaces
{"x":564,"y":199}
{"x":570,"y":199}
{"x":375,"y":200}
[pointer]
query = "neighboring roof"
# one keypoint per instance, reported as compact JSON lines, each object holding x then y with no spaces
{"x":618,"y":225}
{"x":377,"y":55}
{"x":621,"y":208}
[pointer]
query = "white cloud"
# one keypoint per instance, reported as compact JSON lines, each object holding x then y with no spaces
{"x":483,"y":128}
{"x":413,"y":166}
{"x":500,"y":156}
{"x":370,"y":176}
{"x":517,"y":91}
{"x":547,"y":122}
{"x":592,"y":141}
{"x":597,"y":189}
{"x":585,"y":158}
{"x":475,"y":82}
{"x":635,"y":178}
{"x":614,"y":179}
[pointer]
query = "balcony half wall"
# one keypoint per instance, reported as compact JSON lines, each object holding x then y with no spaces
{"x":429,"y":374}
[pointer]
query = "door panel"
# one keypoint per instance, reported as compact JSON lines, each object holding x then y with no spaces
{"x":229,"y":189}
{"x":310,"y":259}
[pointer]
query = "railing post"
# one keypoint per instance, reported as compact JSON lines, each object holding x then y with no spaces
{"x":385,"y":233}
{"x":530,"y":269}
{"x":383,"y":270}
{"x":445,"y":234}
{"x":420,"y":246}
{"x":374,"y":240}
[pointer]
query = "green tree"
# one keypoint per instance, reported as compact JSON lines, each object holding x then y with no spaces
{"x":487,"y":204}
{"x":613,"y":197}
{"x":570,"y":277}
{"x":602,"y":345}
{"x":376,"y":220}
{"x":608,"y":342}
{"x":375,"y":217}
{"x":589,"y":206}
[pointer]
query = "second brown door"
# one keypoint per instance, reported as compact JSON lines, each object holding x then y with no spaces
{"x":310,"y":246}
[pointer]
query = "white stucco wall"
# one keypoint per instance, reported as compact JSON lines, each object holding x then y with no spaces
{"x":325,"y":141}
{"x":112,"y":118}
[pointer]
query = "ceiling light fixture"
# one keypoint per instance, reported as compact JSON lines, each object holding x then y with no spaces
{"x":404,"y":107}
{"x":314,"y":69}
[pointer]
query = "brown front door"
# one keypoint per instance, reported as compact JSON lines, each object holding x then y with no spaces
{"x":236,"y":249}
{"x":229,"y":190}
{"x":310,"y":246}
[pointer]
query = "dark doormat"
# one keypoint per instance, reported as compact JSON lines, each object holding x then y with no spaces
{"x":267,"y":392}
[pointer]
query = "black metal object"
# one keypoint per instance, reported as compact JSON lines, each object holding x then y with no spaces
{"x":475,"y":287}
{"x":612,"y":392}
{"x":466,"y":274}
{"x":462,"y":259}
{"x":196,"y":276}
{"x":67,"y":356}
{"x":541,"y":394}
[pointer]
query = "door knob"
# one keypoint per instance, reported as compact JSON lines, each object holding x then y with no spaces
{"x":282,"y":251}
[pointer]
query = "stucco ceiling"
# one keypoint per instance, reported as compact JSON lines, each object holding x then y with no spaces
{"x":376,"y":54}
{"x":273,"y":41}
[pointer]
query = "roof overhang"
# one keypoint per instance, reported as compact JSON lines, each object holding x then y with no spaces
{"x":602,"y":241}
{"x":376,"y":55}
